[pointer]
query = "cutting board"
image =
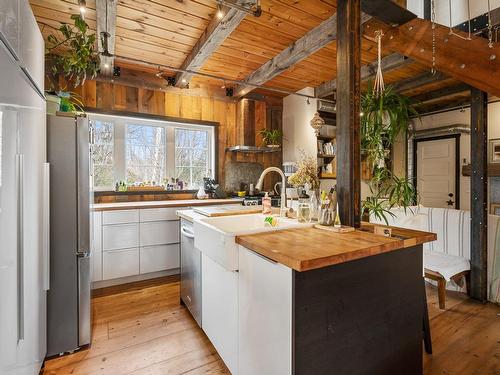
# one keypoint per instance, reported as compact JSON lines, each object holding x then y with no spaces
{"x":214,"y":211}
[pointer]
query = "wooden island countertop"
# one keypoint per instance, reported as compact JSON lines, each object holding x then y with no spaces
{"x":310,"y":248}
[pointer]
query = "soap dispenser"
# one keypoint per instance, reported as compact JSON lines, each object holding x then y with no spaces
{"x":266,"y":204}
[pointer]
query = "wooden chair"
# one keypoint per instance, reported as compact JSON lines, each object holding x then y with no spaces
{"x":458,"y":279}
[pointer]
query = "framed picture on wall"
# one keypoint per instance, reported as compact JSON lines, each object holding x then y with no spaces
{"x":494,"y":150}
{"x":495,"y":209}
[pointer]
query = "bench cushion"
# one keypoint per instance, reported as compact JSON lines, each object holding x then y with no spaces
{"x":445,"y":264}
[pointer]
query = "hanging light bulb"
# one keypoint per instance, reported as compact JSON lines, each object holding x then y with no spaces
{"x":83,"y":7}
{"x":219,"y":13}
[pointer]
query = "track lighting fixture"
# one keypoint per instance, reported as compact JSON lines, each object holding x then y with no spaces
{"x":255,"y":10}
{"x":117,"y":71}
{"x":170,"y":81}
{"x":229,"y":91}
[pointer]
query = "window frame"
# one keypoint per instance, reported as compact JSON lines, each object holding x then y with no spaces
{"x":120,"y":123}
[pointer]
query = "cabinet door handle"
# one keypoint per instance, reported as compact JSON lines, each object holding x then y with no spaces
{"x":46,"y":226}
{"x":20,"y":246}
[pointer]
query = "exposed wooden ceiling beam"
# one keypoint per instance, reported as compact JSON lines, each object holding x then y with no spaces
{"x":214,"y":35}
{"x":470,"y":61}
{"x":106,"y":22}
{"x":418,"y":81}
{"x":387,"y":11}
{"x":308,"y":44}
{"x":433,"y":96}
{"x":368,"y":71}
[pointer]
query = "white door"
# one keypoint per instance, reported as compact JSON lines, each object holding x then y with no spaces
{"x":436,"y":173}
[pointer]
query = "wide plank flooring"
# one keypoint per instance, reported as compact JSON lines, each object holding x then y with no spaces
{"x":141,"y":329}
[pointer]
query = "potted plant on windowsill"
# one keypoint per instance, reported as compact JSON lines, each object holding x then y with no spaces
{"x":271,"y":137}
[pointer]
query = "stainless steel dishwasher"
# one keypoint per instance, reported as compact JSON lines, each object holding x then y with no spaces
{"x":190,"y":271}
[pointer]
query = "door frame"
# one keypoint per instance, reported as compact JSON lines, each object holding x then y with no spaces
{"x":416,"y":141}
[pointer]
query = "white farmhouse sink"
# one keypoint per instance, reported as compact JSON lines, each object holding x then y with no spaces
{"x":215,"y":236}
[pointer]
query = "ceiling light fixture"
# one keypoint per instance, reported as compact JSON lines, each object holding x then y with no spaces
{"x":184,"y":80}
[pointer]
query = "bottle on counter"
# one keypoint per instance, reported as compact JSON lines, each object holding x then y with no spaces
{"x":266,"y":204}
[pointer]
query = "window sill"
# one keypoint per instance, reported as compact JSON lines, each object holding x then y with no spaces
{"x":100,"y":193}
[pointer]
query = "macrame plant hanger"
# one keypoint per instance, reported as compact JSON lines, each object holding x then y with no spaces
{"x":378,"y":85}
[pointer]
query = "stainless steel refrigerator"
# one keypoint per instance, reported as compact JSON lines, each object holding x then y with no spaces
{"x":23,"y":192}
{"x":68,"y":301}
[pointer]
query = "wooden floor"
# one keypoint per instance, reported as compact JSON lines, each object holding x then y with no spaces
{"x":142,"y":329}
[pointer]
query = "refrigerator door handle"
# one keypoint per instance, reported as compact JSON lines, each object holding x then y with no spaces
{"x":20,"y":246}
{"x":46,"y":226}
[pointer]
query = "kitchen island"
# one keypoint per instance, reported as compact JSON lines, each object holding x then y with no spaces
{"x":318,"y":302}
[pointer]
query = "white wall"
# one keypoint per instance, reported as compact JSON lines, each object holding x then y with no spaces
{"x":296,"y":128}
{"x":297,"y":131}
{"x":463,"y":117}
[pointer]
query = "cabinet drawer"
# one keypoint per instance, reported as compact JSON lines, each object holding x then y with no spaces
{"x":120,"y":263}
{"x":158,"y":214}
{"x":120,"y":217}
{"x":121,"y":236}
{"x":159,"y":258}
{"x":159,"y":233}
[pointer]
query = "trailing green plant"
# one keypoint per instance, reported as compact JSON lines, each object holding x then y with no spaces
{"x":385,"y":117}
{"x":71,"y":52}
{"x":271,"y":136}
{"x":70,"y":102}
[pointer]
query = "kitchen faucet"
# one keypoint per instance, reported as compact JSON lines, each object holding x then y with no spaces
{"x":283,"y":187}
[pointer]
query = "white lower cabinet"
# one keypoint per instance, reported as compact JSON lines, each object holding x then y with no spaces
{"x":120,"y":236}
{"x":120,"y":263}
{"x":159,"y":232}
{"x":159,"y":257}
{"x":264,"y":316}
{"x":220,"y":310}
{"x":134,"y":242}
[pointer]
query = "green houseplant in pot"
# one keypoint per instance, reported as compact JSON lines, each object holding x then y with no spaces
{"x":70,"y":53}
{"x":271,"y":137}
{"x":386,"y":116}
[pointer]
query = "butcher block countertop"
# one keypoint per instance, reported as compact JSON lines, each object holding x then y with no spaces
{"x":309,"y":248}
{"x":160,"y":204}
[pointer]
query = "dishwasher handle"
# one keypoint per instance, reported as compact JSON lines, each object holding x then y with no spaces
{"x":187,"y":232}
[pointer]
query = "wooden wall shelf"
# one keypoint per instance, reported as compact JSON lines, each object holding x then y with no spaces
{"x":493,"y":170}
{"x":325,"y":176}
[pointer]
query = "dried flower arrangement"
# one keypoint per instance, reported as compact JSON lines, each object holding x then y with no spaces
{"x":307,"y":172}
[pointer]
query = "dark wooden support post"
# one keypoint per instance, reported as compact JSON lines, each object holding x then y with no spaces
{"x":479,"y":194}
{"x":427,"y":9}
{"x":348,"y":110}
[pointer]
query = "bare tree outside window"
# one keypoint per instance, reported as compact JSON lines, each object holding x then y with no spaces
{"x":145,"y":154}
{"x":192,"y":161}
{"x":102,"y":155}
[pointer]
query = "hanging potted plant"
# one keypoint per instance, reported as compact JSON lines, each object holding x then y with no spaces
{"x":272,"y":138}
{"x":71,"y":54}
{"x":386,"y":116}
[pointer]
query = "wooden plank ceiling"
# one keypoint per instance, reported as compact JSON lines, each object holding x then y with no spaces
{"x":165,"y":31}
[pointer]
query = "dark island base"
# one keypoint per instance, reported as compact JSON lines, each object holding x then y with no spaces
{"x":360,"y":317}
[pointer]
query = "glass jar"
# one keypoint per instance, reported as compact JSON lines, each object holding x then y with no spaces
{"x":326,"y":214}
{"x":304,"y":211}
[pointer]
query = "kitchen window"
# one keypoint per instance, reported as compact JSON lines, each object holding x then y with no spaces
{"x":192,"y":156}
{"x":102,"y":153}
{"x":137,"y":150}
{"x":145,"y":154}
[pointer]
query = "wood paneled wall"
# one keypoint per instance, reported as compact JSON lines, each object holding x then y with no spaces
{"x":115,"y":97}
